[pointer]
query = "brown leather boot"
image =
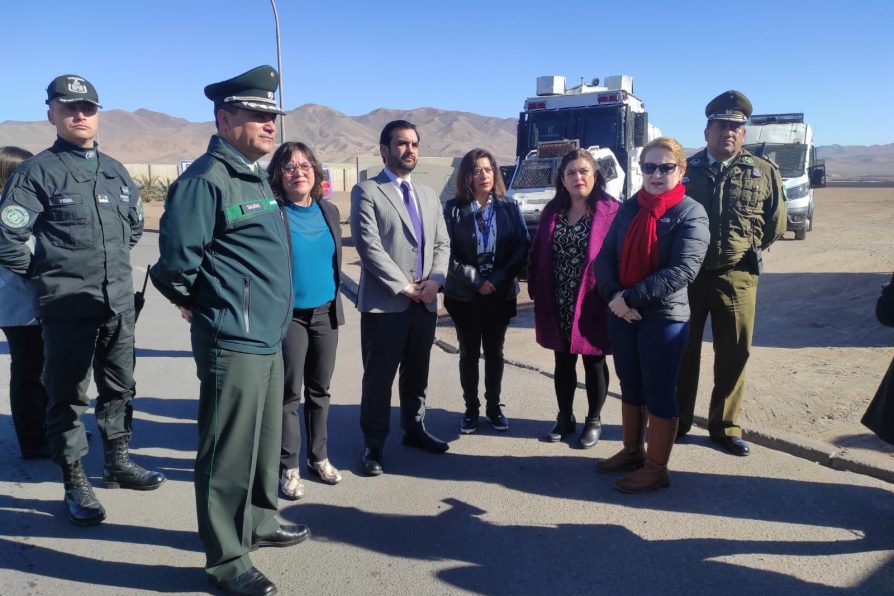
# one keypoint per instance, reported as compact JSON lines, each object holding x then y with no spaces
{"x":653,"y":475}
{"x":633,"y":429}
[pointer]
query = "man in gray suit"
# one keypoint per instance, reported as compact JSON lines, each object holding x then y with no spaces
{"x":399,"y":232}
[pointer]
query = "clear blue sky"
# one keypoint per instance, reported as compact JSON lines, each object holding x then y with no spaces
{"x":830,"y":60}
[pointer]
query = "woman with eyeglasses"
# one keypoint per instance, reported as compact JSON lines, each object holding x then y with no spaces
{"x":488,"y":248}
{"x":569,"y":314}
{"x":296,"y":178}
{"x":653,"y":251}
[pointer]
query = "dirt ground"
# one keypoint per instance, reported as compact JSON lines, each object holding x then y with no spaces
{"x":818,"y":353}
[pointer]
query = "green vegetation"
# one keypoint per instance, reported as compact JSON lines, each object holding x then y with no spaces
{"x":153,"y":188}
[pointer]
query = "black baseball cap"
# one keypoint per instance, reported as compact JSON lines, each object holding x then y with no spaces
{"x":71,"y":88}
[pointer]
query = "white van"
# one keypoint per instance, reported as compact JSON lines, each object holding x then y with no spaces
{"x":787,"y":141}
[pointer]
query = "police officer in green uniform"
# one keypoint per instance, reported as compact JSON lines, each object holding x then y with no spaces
{"x":224,"y":260}
{"x":744,"y":198}
{"x":85,"y":214}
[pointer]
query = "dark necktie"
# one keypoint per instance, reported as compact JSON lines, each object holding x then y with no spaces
{"x":717,"y":168}
{"x":417,"y":227}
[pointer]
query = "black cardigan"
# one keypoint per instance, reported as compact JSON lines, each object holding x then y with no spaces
{"x":510,"y":253}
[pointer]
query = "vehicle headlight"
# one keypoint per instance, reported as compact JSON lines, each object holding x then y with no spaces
{"x":797,"y":192}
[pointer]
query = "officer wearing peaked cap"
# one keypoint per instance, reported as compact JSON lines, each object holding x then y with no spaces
{"x":744,"y":198}
{"x":252,"y":90}
{"x":85,"y":214}
{"x":223,"y":260}
{"x":732,"y":106}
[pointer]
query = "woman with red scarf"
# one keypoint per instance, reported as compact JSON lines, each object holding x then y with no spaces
{"x":653,"y":251}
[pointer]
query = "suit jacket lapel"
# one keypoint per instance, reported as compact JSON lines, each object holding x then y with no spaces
{"x":469,"y":237}
{"x":424,"y":215}
{"x":394,"y":197}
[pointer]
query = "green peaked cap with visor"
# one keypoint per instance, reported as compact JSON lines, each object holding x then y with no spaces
{"x":252,"y":90}
{"x":729,"y":105}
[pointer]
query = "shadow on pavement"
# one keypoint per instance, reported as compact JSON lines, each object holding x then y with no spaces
{"x":528,"y":559}
{"x":150,"y":353}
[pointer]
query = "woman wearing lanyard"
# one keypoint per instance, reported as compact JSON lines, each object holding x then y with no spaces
{"x":488,"y":247}
{"x":309,"y":347}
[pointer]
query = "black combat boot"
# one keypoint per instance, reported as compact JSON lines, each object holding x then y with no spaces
{"x":84,"y":509}
{"x":121,"y":472}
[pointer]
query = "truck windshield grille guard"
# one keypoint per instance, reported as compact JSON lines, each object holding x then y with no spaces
{"x":791,"y":158}
{"x":536,"y":173}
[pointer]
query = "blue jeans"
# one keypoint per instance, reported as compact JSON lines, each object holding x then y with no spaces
{"x":647,"y":358}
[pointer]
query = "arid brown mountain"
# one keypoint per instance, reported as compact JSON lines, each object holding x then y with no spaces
{"x":151,"y":137}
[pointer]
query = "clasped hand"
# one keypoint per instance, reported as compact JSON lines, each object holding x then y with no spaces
{"x":425,"y":291}
{"x":487,"y":288}
{"x":620,"y":309}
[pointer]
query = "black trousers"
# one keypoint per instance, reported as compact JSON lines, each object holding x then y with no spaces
{"x":392,"y":342}
{"x":27,"y":396}
{"x":481,"y":323}
{"x":71,"y":347}
{"x":595,"y":379}
{"x":309,"y":357}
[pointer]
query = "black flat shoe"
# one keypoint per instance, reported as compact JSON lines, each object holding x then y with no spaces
{"x":589,"y":436}
{"x":372,"y":461}
{"x":250,"y":583}
{"x":565,"y":425}
{"x":734,"y":445}
{"x":423,"y":440}
{"x":283,"y":536}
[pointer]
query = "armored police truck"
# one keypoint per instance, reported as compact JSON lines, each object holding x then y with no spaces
{"x":609,"y":121}
{"x":787,"y":141}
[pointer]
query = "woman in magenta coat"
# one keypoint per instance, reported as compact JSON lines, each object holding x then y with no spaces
{"x":569,"y":314}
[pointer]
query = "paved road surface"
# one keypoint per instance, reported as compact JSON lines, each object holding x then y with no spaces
{"x":501,"y":513}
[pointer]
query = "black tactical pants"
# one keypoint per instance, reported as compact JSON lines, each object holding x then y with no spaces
{"x":71,"y":348}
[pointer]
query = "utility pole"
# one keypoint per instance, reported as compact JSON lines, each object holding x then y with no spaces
{"x":282,"y":120}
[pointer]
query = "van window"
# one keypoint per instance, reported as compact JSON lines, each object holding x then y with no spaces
{"x":790,"y":157}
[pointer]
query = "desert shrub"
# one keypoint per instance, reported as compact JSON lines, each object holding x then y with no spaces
{"x":153,"y":188}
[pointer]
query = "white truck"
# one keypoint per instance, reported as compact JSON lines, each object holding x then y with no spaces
{"x":787,"y":140}
{"x":609,"y":121}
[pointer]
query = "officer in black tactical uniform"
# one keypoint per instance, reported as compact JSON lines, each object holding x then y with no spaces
{"x":745,"y":201}
{"x":224,"y":260}
{"x":85,"y":214}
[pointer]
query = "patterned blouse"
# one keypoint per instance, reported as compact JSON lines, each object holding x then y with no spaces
{"x":569,"y":257}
